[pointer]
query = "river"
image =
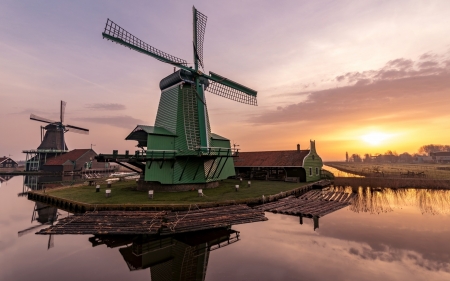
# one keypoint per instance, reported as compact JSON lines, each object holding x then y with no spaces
{"x":385,"y":235}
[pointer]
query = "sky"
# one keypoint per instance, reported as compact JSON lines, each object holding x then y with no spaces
{"x":356,"y":76}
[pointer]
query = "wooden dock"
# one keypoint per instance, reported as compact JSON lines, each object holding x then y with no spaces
{"x":315,"y":203}
{"x":153,"y":222}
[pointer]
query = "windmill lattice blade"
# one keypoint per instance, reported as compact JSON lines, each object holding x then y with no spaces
{"x":229,"y":89}
{"x":200,"y":27}
{"x":78,"y":130}
{"x":63,"y":109}
{"x":231,"y":93}
{"x":41,"y":119}
{"x":117,"y":34}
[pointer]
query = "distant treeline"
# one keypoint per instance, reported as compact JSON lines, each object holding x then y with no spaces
{"x":392,"y":156}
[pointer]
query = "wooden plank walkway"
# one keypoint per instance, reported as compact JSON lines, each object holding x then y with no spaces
{"x":315,"y":203}
{"x":153,"y":222}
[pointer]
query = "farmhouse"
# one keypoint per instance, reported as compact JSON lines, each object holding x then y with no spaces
{"x":6,"y":162}
{"x":289,"y":165}
{"x":76,"y":160}
{"x":441,"y":156}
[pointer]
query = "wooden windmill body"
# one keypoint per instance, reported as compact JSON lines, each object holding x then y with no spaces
{"x":180,"y":148}
{"x":52,"y":140}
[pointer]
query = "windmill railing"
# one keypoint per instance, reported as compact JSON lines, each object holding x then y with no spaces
{"x":217,"y":151}
{"x":138,"y":156}
{"x":44,"y":151}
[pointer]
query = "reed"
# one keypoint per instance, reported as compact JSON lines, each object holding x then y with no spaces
{"x":428,"y":201}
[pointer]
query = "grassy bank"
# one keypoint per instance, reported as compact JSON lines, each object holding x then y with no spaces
{"x":431,"y":171}
{"x":126,"y":193}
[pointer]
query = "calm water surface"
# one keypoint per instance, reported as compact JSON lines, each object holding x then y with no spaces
{"x":386,"y":235}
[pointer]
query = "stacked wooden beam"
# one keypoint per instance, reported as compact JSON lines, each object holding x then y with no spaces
{"x":313,"y":203}
{"x":109,"y":222}
{"x":328,"y":196}
{"x":200,"y":219}
{"x":152,"y":222}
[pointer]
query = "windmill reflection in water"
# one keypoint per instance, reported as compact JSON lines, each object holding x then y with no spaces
{"x":176,"y":257}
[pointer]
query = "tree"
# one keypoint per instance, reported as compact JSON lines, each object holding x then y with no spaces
{"x":426,"y":149}
{"x":356,"y":158}
{"x":405,"y":157}
{"x":367,"y":158}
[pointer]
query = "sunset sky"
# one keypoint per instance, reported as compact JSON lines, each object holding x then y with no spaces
{"x":356,"y":76}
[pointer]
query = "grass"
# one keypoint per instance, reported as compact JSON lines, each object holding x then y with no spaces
{"x":432,"y":171}
{"x":126,"y":193}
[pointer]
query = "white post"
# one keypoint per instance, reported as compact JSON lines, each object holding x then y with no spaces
{"x":97,"y":188}
{"x":237,"y":187}
{"x":200,"y":192}
{"x":249,"y":183}
{"x":150,"y":194}
{"x":108,"y":193}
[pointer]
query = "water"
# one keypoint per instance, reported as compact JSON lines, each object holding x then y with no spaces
{"x":387,"y":235}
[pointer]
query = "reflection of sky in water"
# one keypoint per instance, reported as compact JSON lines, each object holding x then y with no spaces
{"x":338,"y":173}
{"x":402,"y":244}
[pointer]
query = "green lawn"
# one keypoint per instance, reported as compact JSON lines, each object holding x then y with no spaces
{"x":126,"y":193}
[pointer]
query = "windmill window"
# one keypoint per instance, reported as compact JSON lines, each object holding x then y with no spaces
{"x":310,"y":171}
{"x":317,"y":171}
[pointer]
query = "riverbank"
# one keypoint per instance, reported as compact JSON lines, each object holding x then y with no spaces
{"x":394,"y":170}
{"x":125,"y":196}
{"x":386,"y":182}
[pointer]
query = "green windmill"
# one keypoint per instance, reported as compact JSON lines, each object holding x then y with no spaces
{"x":180,"y":148}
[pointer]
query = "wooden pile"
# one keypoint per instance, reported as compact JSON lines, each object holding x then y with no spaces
{"x":153,"y":222}
{"x":109,"y":222}
{"x":200,"y":219}
{"x":314,"y":203}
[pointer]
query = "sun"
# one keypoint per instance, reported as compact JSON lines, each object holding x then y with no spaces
{"x":375,"y":138}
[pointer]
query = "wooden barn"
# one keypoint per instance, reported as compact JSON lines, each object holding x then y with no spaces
{"x":288,"y":165}
{"x":77,"y":160}
{"x":6,"y":162}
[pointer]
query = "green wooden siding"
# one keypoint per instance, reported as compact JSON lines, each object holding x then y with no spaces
{"x":177,"y":113}
{"x":167,"y":109}
{"x":156,"y":142}
{"x":313,"y":164}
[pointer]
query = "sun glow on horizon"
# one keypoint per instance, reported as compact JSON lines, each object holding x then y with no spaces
{"x":375,"y":138}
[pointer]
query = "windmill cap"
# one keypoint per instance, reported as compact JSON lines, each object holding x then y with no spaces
{"x":180,"y":76}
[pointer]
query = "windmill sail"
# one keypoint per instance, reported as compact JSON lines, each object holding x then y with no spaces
{"x":229,"y":89}
{"x":75,"y":129}
{"x":63,"y":109}
{"x":119,"y":35}
{"x":41,"y":119}
{"x":199,"y":34}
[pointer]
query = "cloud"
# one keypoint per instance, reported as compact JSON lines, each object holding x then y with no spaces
{"x":106,"y":106}
{"x":123,"y":121}
{"x":418,"y":86}
{"x":396,"y":255}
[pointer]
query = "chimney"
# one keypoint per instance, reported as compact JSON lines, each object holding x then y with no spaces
{"x":298,"y":147}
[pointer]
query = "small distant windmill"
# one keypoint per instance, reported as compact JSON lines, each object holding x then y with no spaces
{"x":182,"y":128}
{"x":52,"y":135}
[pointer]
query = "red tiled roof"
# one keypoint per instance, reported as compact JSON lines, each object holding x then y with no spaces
{"x":287,"y":158}
{"x":71,"y":155}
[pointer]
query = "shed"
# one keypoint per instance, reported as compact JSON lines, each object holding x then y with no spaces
{"x":288,"y":165}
